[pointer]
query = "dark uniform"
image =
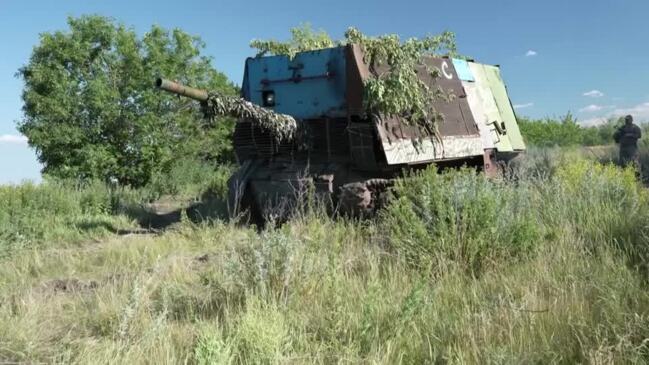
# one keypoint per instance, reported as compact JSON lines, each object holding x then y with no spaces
{"x":627,"y":137}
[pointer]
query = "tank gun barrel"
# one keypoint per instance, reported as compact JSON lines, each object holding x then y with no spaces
{"x":178,"y":89}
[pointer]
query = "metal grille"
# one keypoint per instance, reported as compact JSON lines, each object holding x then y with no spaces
{"x":316,"y":137}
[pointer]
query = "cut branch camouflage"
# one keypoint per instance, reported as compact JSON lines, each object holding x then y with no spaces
{"x":394,"y":88}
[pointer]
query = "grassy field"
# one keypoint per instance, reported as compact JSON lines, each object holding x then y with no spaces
{"x":548,"y":265}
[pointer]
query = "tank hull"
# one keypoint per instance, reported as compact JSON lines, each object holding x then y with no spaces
{"x":273,"y":190}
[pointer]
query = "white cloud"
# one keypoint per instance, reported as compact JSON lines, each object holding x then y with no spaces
{"x":531,"y":53}
{"x":523,"y":106}
{"x":591,"y":108}
{"x":594,"y":94}
{"x":12,"y":139}
{"x":639,"y":112}
{"x":593,"y":121}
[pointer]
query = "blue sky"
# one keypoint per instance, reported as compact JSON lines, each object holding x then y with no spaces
{"x":589,"y":57}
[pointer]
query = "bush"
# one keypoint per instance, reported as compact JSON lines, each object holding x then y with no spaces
{"x":54,"y":212}
{"x":602,"y":204}
{"x":211,"y":349}
{"x":462,"y":217}
{"x":565,"y":132}
{"x":189,"y":178}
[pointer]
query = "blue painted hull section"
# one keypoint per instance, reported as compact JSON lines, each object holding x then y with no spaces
{"x":463,"y":70}
{"x":311,"y":85}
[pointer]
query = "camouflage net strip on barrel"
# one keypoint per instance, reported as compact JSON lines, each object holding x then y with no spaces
{"x":282,"y":126}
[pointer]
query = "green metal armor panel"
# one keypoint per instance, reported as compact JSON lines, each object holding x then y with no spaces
{"x":488,"y":133}
{"x":504,"y":106}
{"x":483,"y":103}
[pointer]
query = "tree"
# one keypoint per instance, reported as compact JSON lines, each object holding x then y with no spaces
{"x":91,"y":111}
{"x":566,"y":132}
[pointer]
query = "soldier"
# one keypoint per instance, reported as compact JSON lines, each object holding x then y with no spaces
{"x":627,"y":137}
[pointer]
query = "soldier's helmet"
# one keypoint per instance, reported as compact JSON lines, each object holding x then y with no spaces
{"x":628,"y":119}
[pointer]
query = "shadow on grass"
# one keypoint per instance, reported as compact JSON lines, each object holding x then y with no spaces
{"x":94,"y":225}
{"x":153,"y":217}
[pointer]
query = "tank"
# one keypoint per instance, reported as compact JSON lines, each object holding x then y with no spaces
{"x":302,"y":127}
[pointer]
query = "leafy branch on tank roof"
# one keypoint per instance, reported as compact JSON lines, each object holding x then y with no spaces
{"x":395,"y":88}
{"x":303,"y":38}
{"x":399,"y":90}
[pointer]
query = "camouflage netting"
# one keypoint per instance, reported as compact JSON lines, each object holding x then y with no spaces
{"x":282,"y":126}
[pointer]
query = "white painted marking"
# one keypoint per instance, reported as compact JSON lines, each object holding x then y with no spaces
{"x":447,"y":74}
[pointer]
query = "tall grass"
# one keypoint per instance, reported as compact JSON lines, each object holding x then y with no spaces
{"x":60,"y":212}
{"x":189,"y":178}
{"x":463,"y":217}
{"x":54,"y":213}
{"x":458,"y":269}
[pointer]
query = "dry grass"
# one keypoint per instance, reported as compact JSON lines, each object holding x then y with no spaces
{"x":322,"y":291}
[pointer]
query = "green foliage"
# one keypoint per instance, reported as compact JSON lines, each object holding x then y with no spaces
{"x":262,"y":334}
{"x":607,"y":203}
{"x":546,"y":267}
{"x":211,"y":350}
{"x":461,"y":217}
{"x":68,"y":211}
{"x":565,"y":132}
{"x":188,"y":178}
{"x":54,"y":212}
{"x":549,"y":132}
{"x":303,"y":38}
{"x":467,"y":220}
{"x":395,"y":88}
{"x":91,"y":111}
